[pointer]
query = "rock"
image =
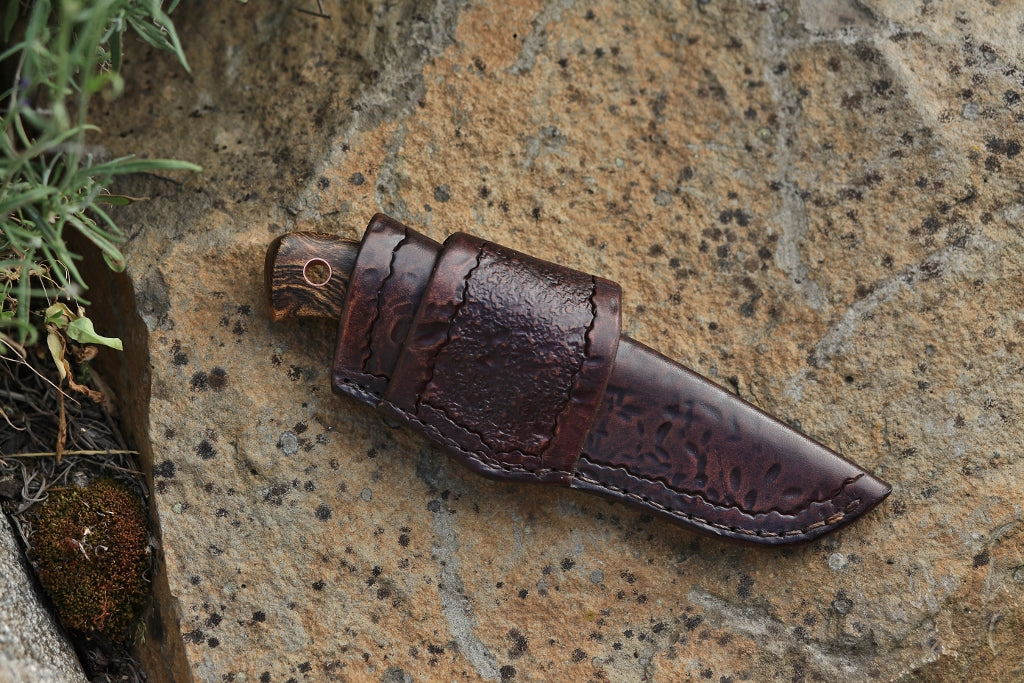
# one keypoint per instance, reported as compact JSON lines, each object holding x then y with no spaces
{"x":32,"y":646}
{"x":818,"y":206}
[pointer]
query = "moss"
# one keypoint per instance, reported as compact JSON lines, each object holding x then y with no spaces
{"x":91,"y":552}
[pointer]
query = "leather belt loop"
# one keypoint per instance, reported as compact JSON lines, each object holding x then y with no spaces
{"x":507,"y":359}
{"x":390,"y":274}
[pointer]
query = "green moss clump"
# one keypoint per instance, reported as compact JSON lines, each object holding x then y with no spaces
{"x":90,"y":548}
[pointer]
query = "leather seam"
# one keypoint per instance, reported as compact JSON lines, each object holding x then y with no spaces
{"x":478,"y":456}
{"x":451,"y":322}
{"x":490,"y":449}
{"x":688,"y":516}
{"x":365,"y":358}
{"x":482,"y":457}
{"x":357,"y":385}
{"x":831,"y":520}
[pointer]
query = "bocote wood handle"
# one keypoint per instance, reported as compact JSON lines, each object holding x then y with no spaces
{"x":307,"y":275}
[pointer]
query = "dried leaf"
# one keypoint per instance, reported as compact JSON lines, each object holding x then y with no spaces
{"x":55,"y":343}
{"x":96,"y":396}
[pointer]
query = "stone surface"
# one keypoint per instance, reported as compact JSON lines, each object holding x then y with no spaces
{"x":32,"y":646}
{"x":817,"y":204}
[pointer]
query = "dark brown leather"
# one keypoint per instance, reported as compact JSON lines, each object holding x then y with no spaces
{"x":516,"y":366}
{"x":390,"y":274}
{"x":507,"y":360}
{"x":668,"y":439}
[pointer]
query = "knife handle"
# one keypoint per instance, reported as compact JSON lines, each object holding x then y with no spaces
{"x":307,"y":275}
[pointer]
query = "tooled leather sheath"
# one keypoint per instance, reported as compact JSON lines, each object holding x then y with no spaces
{"x":516,"y":366}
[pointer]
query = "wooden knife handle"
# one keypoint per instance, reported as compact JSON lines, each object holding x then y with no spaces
{"x":307,"y":275}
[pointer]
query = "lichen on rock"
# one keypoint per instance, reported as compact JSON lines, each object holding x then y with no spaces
{"x":90,"y":549}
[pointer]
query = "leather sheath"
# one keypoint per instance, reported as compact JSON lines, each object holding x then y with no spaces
{"x":517,"y":367}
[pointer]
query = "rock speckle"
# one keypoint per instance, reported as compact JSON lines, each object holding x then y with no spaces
{"x":289,"y":442}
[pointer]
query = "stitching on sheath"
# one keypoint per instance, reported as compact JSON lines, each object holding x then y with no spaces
{"x":450,"y":420}
{"x":360,"y":387}
{"x":377,"y":313}
{"x":482,"y":458}
{"x":828,"y":499}
{"x":831,"y":520}
{"x":478,"y":456}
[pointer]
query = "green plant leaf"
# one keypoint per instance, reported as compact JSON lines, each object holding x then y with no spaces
{"x":65,"y":52}
{"x":167,"y":25}
{"x":126,"y":165}
{"x":81,"y":330}
{"x":149,"y":33}
{"x":10,"y":16}
{"x":111,"y":254}
{"x":34,"y":195}
{"x":155,"y":27}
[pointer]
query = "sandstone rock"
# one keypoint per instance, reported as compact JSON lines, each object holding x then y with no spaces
{"x":815,"y":204}
{"x":32,"y":646}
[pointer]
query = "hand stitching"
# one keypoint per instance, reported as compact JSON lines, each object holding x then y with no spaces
{"x":478,"y":456}
{"x":832,"y":520}
{"x":483,"y":459}
{"x":698,"y":494}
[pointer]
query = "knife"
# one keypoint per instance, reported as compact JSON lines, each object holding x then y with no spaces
{"x":517,"y":367}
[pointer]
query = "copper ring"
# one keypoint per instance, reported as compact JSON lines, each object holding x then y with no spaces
{"x":317,"y":262}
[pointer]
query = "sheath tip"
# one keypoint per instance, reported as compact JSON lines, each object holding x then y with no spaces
{"x":871,"y":491}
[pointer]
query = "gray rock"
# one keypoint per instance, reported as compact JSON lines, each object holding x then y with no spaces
{"x":32,"y":646}
{"x":794,"y":202}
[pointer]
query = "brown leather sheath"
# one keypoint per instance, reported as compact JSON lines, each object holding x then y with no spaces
{"x":516,"y":366}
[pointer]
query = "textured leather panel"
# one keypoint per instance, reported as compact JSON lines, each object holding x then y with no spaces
{"x":508,"y":357}
{"x":390,"y":274}
{"x":669,"y":440}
